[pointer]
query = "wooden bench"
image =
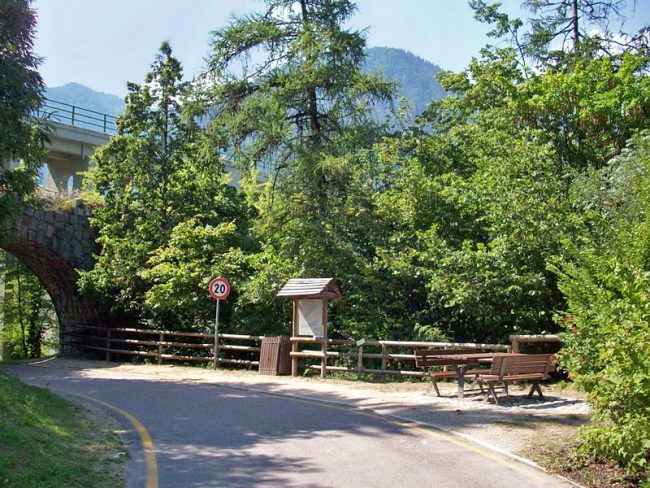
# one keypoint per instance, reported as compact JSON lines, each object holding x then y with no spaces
{"x":426,"y":360}
{"x":507,"y":369}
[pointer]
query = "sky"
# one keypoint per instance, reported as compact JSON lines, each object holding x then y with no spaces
{"x":103,"y":44}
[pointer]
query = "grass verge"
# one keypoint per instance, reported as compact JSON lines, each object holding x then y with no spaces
{"x":47,"y":441}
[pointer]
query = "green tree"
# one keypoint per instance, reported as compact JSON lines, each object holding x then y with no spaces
{"x":561,"y":31}
{"x":569,"y":21}
{"x":21,"y":91}
{"x":290,"y":97}
{"x":288,"y":85}
{"x":605,"y":277}
{"x":589,"y":112}
{"x":29,"y":324}
{"x":479,"y":200}
{"x":475,"y":212}
{"x":154,"y":175}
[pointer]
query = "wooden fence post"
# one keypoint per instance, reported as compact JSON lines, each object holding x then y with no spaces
{"x":108,"y":344}
{"x":384,"y":361}
{"x":323,"y":361}
{"x":515,"y":344}
{"x":160,"y":347}
{"x":359,"y":361}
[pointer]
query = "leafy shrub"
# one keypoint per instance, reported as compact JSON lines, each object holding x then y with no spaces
{"x":606,"y":282}
{"x":609,"y":355}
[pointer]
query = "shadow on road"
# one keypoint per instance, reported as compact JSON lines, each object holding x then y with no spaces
{"x":211,"y":434}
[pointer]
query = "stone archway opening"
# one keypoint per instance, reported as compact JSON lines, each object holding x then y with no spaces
{"x":29,"y":326}
{"x":54,"y":245}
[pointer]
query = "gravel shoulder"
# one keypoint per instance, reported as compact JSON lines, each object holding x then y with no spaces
{"x":509,"y":428}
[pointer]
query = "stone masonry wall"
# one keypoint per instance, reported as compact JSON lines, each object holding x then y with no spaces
{"x":54,"y":244}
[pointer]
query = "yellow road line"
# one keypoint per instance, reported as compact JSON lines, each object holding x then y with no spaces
{"x":145,"y":439}
{"x":430,"y":430}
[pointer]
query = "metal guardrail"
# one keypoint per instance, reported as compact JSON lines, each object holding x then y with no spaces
{"x":77,"y":116}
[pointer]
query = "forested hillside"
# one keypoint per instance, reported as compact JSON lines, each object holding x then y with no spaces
{"x":82,"y":96}
{"x":415,"y":77}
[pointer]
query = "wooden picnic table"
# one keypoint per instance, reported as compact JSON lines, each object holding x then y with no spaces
{"x":461,"y":363}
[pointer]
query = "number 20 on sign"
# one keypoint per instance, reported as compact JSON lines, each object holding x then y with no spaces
{"x":219,"y":289}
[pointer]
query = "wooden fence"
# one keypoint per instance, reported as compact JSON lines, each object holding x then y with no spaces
{"x":517,"y":340}
{"x":166,"y":345}
{"x":353,"y":356}
{"x":324,"y":355}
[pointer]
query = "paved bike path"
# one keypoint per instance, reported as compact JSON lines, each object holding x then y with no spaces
{"x":212,"y":435}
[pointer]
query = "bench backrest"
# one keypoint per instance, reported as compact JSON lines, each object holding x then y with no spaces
{"x":423,"y":357}
{"x":525,"y":364}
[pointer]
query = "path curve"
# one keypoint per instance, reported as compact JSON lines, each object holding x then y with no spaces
{"x":213,"y":435}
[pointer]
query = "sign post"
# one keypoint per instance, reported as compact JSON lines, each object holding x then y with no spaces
{"x":219,"y":289}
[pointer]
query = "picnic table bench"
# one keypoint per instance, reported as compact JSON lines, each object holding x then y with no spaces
{"x":509,"y":368}
{"x":430,"y":358}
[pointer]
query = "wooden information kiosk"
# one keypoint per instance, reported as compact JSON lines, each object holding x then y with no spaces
{"x":310,"y":297}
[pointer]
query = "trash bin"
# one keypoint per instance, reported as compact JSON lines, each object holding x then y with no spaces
{"x":274,"y":356}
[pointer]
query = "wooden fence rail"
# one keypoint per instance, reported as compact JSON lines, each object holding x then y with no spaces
{"x":361,"y":357}
{"x":404,"y":360}
{"x":517,"y":340}
{"x":157,"y":344}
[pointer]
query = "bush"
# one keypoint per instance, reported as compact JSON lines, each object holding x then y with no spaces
{"x":608,"y":354}
{"x":606,"y":282}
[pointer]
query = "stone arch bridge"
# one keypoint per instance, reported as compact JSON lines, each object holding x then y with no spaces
{"x":54,"y":244}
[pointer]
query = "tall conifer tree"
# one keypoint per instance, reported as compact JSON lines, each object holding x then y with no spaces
{"x":153,"y":176}
{"x":21,"y":91}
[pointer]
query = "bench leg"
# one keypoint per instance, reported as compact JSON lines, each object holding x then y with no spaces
{"x":537,"y":388}
{"x":486,"y":393}
{"x":493,"y":393}
{"x":460,"y":371}
{"x":434,"y":385}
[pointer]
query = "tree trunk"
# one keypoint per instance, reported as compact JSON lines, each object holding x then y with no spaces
{"x":574,"y":22}
{"x":23,"y":332}
{"x":314,"y":121}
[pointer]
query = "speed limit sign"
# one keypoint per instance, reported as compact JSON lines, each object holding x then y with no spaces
{"x":219,"y":288}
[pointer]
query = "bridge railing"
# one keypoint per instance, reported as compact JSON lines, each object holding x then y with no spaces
{"x":77,"y":116}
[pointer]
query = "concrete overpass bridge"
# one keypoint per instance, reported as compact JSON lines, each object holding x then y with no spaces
{"x":76,"y":132}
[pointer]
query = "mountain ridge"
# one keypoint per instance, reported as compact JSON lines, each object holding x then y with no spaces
{"x":415,"y":77}
{"x":83,"y":96}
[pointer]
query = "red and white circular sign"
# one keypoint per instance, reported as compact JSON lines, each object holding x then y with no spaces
{"x":219,"y":288}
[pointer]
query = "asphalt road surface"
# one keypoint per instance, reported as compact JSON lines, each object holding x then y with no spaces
{"x":185,"y":434}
